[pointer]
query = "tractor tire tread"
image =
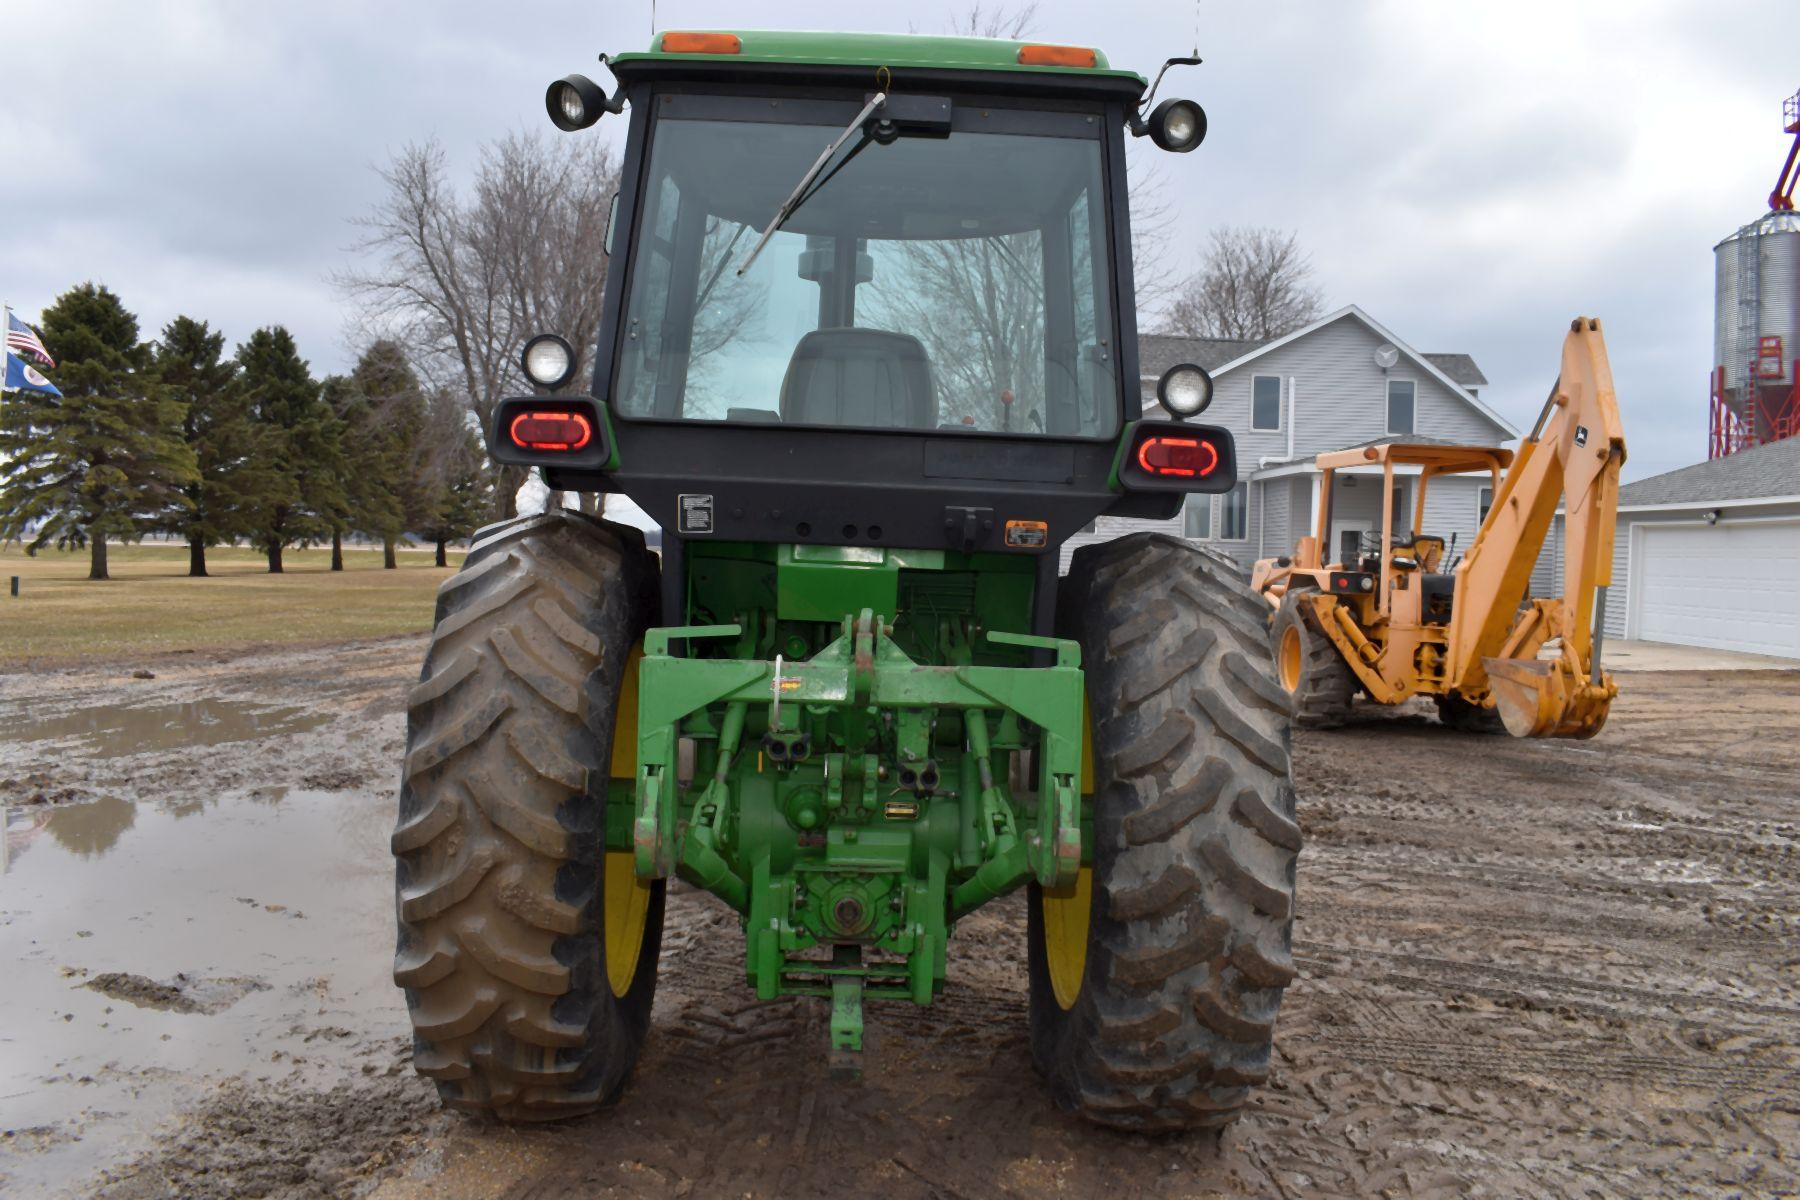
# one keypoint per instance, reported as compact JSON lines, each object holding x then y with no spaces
{"x":1196,"y":844}
{"x":501,"y":809}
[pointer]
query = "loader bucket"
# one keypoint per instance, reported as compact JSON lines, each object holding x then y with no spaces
{"x":1544,"y":699}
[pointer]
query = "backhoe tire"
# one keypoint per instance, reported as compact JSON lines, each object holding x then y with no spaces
{"x":499,"y":846}
{"x":1310,"y":668}
{"x":1465,"y":717}
{"x":1188,"y":938}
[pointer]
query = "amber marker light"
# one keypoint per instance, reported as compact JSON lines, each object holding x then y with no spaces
{"x":1057,"y":56}
{"x":702,"y":43}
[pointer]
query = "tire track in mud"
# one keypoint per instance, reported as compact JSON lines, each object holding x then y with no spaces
{"x":1493,"y":998}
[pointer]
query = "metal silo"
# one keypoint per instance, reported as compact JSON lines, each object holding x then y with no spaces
{"x":1756,"y":328}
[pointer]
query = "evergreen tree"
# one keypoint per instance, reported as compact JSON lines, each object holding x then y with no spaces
{"x":366,"y":500}
{"x":301,"y":440}
{"x":106,"y":459}
{"x":392,"y":437}
{"x":233,"y":475}
{"x":465,"y":487}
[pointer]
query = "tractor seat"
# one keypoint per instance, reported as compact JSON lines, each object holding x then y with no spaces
{"x":1419,"y":549}
{"x":867,"y":378}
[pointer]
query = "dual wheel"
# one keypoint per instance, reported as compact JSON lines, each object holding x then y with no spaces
{"x":528,"y":954}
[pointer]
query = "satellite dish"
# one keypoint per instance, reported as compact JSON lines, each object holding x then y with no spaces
{"x":1386,"y":356}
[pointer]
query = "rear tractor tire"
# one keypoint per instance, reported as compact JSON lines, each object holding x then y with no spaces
{"x":527,"y":952}
{"x":1155,"y":980}
{"x":1311,"y":670}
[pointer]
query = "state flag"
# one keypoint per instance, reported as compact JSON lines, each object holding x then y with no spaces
{"x":21,"y":376}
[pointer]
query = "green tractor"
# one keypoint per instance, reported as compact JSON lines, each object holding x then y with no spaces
{"x":869,"y":357}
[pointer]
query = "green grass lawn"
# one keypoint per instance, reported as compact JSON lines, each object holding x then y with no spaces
{"x":151,"y":606}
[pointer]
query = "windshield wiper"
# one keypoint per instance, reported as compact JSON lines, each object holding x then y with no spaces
{"x":799,"y":195}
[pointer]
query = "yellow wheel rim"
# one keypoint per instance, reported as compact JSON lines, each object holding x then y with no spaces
{"x":1290,"y":658}
{"x":1066,"y":912}
{"x":627,"y":901}
{"x":624,"y":898}
{"x":1066,"y":916}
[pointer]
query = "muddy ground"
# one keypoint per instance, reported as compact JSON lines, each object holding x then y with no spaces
{"x":1527,"y":969}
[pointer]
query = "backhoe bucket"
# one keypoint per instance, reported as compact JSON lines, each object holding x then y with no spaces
{"x":1545,"y":699}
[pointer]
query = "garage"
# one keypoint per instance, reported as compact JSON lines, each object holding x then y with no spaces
{"x":1731,"y":585}
{"x":1708,"y":555}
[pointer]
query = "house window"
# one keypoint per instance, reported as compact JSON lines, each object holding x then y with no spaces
{"x":1484,"y":500}
{"x":1196,"y":520}
{"x":1265,"y":402}
{"x":1401,"y":393}
{"x":1397,"y":513}
{"x":1234,"y":516}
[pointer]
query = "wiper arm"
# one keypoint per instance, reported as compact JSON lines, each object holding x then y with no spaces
{"x":798,"y":196}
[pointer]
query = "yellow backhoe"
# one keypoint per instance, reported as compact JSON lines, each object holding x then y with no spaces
{"x":1398,"y":621}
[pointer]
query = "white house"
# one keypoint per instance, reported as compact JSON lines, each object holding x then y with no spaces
{"x":1708,"y":555}
{"x":1342,"y":381}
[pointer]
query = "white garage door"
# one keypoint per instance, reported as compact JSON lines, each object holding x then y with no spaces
{"x":1730,"y":586}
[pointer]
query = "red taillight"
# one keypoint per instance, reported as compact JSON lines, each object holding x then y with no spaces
{"x":1342,"y":584}
{"x":1189,"y":458}
{"x":550,"y":431}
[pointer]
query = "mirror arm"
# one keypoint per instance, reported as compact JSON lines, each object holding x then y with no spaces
{"x":1138,"y":128}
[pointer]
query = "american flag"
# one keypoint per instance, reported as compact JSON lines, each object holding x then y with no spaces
{"x":23,"y":339}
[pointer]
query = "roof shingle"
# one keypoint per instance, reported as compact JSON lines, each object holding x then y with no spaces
{"x":1157,"y":352}
{"x":1459,"y":367}
{"x":1768,"y":470}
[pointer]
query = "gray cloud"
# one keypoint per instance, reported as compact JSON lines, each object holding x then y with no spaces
{"x":1471,"y":175}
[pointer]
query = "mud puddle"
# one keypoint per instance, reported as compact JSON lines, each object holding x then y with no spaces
{"x":116,"y":730}
{"x":155,"y":952}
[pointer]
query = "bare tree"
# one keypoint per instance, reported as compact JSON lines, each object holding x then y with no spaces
{"x":1255,"y":284}
{"x":1000,"y":21}
{"x":463,"y":280}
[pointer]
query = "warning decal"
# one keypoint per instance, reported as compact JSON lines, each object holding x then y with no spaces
{"x":696,"y":514}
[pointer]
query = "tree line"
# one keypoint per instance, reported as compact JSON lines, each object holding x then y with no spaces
{"x":174,"y":436}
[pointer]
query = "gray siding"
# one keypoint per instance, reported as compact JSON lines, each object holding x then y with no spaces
{"x":1451,"y":508}
{"x":1333,"y":395}
{"x":1547,"y":575}
{"x":1331,"y":385}
{"x":1270,"y":502}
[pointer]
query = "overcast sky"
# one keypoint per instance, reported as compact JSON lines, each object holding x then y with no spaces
{"x":1472,"y":175}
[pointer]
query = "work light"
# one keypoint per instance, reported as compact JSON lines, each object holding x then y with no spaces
{"x":548,"y":361}
{"x":1185,"y":390}
{"x":575,"y":102}
{"x":1178,"y":125}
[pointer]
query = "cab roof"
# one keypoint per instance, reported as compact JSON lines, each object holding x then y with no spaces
{"x":876,"y":50}
{"x":1442,"y":458}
